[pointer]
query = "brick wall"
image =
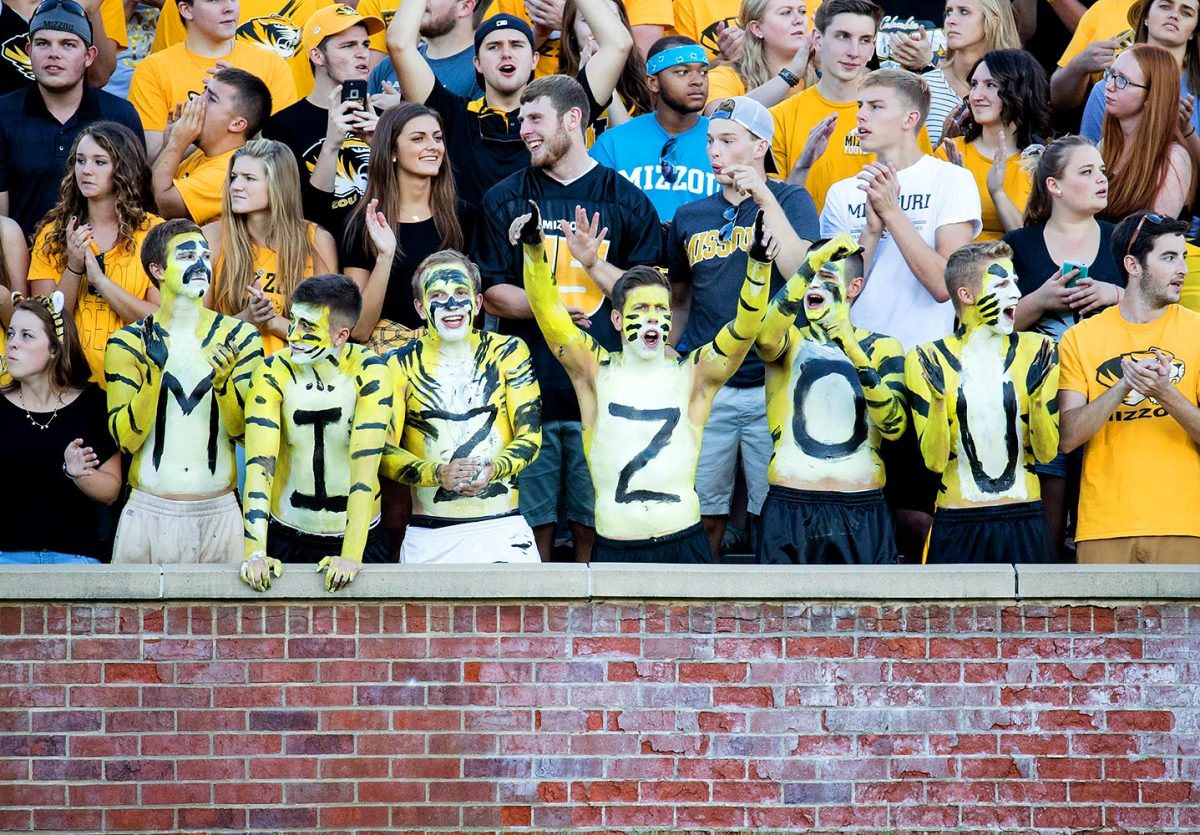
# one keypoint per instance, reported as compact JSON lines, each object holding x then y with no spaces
{"x":589,"y":715}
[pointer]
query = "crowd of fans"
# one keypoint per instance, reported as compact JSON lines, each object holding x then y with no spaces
{"x":307,"y":138}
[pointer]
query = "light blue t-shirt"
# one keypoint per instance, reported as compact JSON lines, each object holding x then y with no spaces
{"x":633,"y":149}
{"x":457,"y":74}
{"x":1093,"y":112}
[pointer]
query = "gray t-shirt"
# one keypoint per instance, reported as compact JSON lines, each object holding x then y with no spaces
{"x":715,"y":269}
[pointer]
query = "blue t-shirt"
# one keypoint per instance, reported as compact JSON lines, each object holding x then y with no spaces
{"x":1093,"y":112}
{"x":457,"y":74}
{"x":634,"y":150}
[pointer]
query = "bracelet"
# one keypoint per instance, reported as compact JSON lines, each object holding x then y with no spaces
{"x":73,"y":271}
{"x":1190,"y":133}
{"x":68,"y":474}
{"x":790,"y":77}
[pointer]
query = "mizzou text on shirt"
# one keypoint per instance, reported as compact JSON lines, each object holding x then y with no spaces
{"x":267,"y":24}
{"x":933,"y":193}
{"x":175,"y":75}
{"x":95,"y":320}
{"x":15,"y":71}
{"x":1141,"y":471}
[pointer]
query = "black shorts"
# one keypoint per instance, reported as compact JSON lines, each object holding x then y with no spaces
{"x":287,"y":544}
{"x":910,"y":484}
{"x":810,"y":527}
{"x":1012,"y":533}
{"x":689,"y":545}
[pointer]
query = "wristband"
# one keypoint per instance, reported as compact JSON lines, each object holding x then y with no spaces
{"x":790,"y":77}
{"x":67,"y":474}
{"x":73,"y":271}
{"x":1189,"y":134}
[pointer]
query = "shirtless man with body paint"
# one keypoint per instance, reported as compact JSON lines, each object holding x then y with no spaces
{"x":643,"y":408}
{"x":834,"y":392}
{"x":984,"y":405}
{"x":468,"y":416}
{"x":177,"y":382}
{"x":316,"y":422}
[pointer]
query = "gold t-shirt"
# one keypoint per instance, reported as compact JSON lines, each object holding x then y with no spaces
{"x":1018,"y":184}
{"x":275,"y":28}
{"x":95,"y":320}
{"x":1106,"y":19}
{"x":698,"y":19}
{"x":201,"y":184}
{"x":175,"y":75}
{"x":1141,"y":471}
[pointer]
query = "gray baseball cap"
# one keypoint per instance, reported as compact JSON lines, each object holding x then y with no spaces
{"x":62,"y":16}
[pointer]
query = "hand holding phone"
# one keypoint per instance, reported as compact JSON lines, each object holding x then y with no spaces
{"x":355,"y":90}
{"x":1075,"y":265}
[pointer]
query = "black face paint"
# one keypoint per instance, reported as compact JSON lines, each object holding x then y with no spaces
{"x":449,"y":306}
{"x":197,"y":270}
{"x":446,"y":274}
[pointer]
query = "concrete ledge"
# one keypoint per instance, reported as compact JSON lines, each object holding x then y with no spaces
{"x":824,"y":582}
{"x":1128,"y":582}
{"x":80,"y":582}
{"x":613,"y":582}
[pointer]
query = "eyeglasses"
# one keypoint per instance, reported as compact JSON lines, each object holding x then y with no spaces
{"x":1149,"y":216}
{"x":1121,"y":82}
{"x":669,"y":172}
{"x":730,"y":216}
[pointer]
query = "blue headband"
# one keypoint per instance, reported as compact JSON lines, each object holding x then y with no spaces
{"x":683,"y":54}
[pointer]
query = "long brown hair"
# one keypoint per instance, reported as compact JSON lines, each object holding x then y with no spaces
{"x":131,"y":188}
{"x":631,"y":86}
{"x":383,"y":182}
{"x":68,"y":365}
{"x":1052,"y":163}
{"x":289,"y":237}
{"x":1138,"y":22}
{"x":1135,"y":178}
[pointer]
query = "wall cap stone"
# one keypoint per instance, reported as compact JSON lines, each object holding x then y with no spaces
{"x":1129,"y":582}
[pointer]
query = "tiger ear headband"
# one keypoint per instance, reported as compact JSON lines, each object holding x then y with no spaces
{"x":53,"y":304}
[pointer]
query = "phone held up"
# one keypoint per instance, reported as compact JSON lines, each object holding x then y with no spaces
{"x":355,"y":90}
{"x":1075,"y":265}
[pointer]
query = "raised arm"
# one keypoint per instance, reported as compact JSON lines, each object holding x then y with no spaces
{"x":614,"y":43}
{"x":403,"y":36}
{"x":1042,"y":382}
{"x":133,"y":366}
{"x":716,"y":361}
{"x":579,"y":353}
{"x":926,"y":383}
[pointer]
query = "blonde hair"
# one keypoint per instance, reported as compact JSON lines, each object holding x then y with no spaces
{"x":964,"y":267}
{"x":999,"y":26}
{"x":752,"y":67}
{"x":290,"y":236}
{"x":909,"y":85}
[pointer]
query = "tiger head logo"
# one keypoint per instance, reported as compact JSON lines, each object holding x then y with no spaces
{"x":708,"y":38}
{"x":350,"y":180}
{"x":1109,"y":372}
{"x":275,"y":33}
{"x":15,"y":50}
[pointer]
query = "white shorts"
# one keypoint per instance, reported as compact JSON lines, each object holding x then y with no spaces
{"x":157,"y":530}
{"x":504,"y":539}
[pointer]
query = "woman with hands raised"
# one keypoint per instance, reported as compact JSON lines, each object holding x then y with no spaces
{"x":88,"y":246}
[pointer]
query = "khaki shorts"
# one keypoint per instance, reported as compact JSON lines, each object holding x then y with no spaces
{"x":157,"y":530}
{"x":1139,"y":550}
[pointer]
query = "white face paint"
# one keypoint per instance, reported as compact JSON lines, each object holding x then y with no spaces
{"x":646,"y":321}
{"x":996,"y":307}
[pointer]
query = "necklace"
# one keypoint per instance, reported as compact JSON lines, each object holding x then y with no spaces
{"x":42,"y":426}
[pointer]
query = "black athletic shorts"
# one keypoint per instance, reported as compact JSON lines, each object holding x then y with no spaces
{"x":689,"y":545}
{"x":1012,"y":533}
{"x":287,"y":544}
{"x":910,"y":484}
{"x":810,"y":527}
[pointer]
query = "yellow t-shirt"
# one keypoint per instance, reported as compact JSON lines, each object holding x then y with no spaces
{"x":273,"y":27}
{"x":175,"y":75}
{"x":385,"y":10}
{"x":1140,"y":470}
{"x":724,"y":83}
{"x":201,"y":184}
{"x":1017,"y":185}
{"x":265,"y":267}
{"x":112,"y":15}
{"x":698,"y":20}
{"x":796,"y":116}
{"x":1190,"y":298}
{"x":95,"y":319}
{"x":1106,"y":19}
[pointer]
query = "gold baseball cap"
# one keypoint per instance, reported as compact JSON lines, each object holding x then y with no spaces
{"x":330,"y":20}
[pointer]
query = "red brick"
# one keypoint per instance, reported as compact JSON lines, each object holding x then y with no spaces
{"x":209,"y":819}
{"x":1103,"y":791}
{"x":1118,"y":744}
{"x":743,"y":697}
{"x":36,"y":649}
{"x":26,"y":696}
{"x":710,"y":816}
{"x":1068,"y":720}
{"x":1140,"y":818}
{"x":819,"y":647}
{"x":70,"y":820}
{"x":251,"y":649}
{"x":138,"y":820}
{"x":176,"y":745}
{"x":105,"y":649}
{"x":1067,"y":817}
{"x":317,"y":793}
{"x":973,"y":648}
{"x":1034,"y":744}
{"x":676,"y":791}
{"x":354,"y":768}
{"x":604,"y":792}
{"x":176,"y":794}
{"x":712,"y":673}
{"x":320,"y":648}
{"x":498,"y":672}
{"x":1146,"y":768}
{"x":1110,"y":648}
{"x":1140,"y":720}
{"x":1067,"y":768}
{"x":516,"y":816}
{"x":606,"y":646}
{"x":173,"y":649}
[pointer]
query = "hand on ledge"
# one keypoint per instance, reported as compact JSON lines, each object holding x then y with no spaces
{"x":339,"y":571}
{"x":256,"y":571}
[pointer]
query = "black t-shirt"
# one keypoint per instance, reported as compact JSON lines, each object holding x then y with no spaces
{"x":634,"y":237}
{"x":415,"y":242}
{"x":43,"y":509}
{"x":301,"y":127}
{"x":1035,"y":266}
{"x":484,"y":144}
{"x":15,"y":73}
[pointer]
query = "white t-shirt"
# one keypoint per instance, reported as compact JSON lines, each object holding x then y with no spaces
{"x":933,"y":193}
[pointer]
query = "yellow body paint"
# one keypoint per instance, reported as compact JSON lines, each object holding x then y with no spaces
{"x":834,"y":391}
{"x":315,"y":431}
{"x":177,"y":382}
{"x":984,"y":401}
{"x":643,"y":410}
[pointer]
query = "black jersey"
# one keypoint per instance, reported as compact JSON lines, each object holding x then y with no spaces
{"x":634,"y":238}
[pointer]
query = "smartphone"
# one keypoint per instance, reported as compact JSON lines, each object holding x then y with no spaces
{"x":1075,"y":265}
{"x":355,"y":90}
